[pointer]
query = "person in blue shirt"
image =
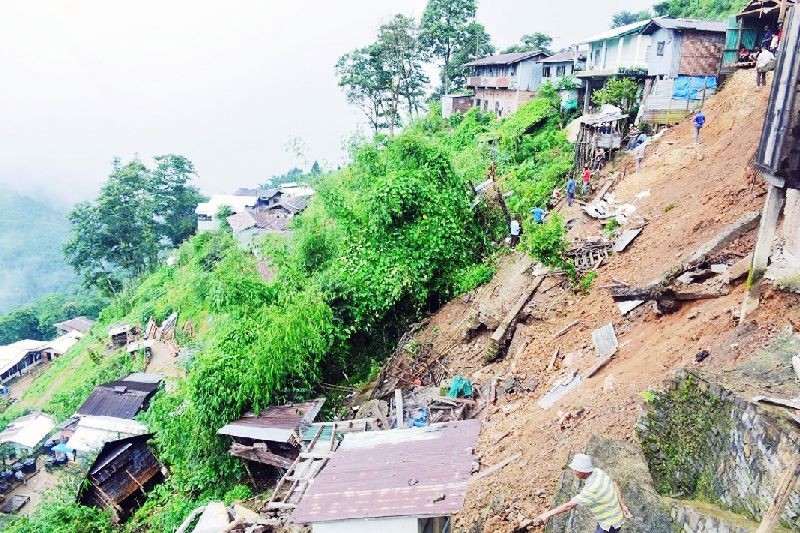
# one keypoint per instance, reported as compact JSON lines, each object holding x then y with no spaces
{"x":699,"y":120}
{"x":538,"y":214}
{"x":571,"y":184}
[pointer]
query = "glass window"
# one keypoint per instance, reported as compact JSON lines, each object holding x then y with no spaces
{"x":660,"y":48}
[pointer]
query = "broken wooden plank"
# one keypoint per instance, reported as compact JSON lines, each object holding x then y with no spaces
{"x":566,"y":328}
{"x":605,"y":340}
{"x":492,"y":469}
{"x":447,"y":399}
{"x":626,"y":238}
{"x":740,"y":268}
{"x":598,"y":365}
{"x":498,"y":339}
{"x":792,"y":403}
{"x":770,"y":520}
{"x":259,"y":454}
{"x":658,"y":292}
{"x":552,"y":362}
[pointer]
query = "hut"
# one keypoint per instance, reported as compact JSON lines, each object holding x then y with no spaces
{"x":601,"y":130}
{"x":746,"y":29}
{"x":120,"y":476}
{"x":25,"y":434}
{"x":273,"y":438}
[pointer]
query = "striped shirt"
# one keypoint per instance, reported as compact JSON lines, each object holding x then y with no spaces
{"x":599,"y":496}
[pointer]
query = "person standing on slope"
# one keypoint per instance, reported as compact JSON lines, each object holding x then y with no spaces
{"x":638,"y":152}
{"x":600,"y":494}
{"x":516,"y":231}
{"x":571,"y":190}
{"x":698,"y":121}
{"x":587,"y":177}
{"x":764,"y":62}
{"x":538,"y":214}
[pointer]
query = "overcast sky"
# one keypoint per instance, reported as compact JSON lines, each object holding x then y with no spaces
{"x":225,"y":83}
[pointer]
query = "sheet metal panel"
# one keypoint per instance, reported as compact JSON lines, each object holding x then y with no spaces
{"x":397,"y":472}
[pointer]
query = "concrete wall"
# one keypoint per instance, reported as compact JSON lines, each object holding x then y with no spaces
{"x":503,"y":102}
{"x":383,"y":525}
{"x":627,"y":51}
{"x":554,"y":71}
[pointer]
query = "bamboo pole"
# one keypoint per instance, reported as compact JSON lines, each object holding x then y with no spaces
{"x":770,"y":520}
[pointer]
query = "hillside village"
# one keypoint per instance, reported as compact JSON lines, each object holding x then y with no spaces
{"x":379,"y":349}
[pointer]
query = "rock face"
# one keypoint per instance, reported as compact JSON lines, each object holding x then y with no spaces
{"x":626,"y":464}
{"x":694,"y":517}
{"x":704,"y":440}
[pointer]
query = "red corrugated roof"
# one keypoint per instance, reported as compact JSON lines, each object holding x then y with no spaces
{"x":399,"y":472}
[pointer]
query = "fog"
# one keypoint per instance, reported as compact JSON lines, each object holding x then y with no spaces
{"x":227,"y":84}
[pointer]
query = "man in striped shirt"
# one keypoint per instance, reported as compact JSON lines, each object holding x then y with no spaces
{"x":600,"y":494}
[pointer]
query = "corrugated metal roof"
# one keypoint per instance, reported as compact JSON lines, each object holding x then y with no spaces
{"x":12,"y":354}
{"x":79,"y":323}
{"x":92,"y":432}
{"x":61,"y":344}
{"x":278,"y":423}
{"x":560,"y":57}
{"x":617,"y":32}
{"x":394,"y":473}
{"x":504,"y":59}
{"x":241,"y":221}
{"x":686,"y":24}
{"x":28,"y":430}
{"x":119,"y":399}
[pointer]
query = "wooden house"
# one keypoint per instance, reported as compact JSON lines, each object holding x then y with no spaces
{"x":120,"y":476}
{"x":502,"y":83}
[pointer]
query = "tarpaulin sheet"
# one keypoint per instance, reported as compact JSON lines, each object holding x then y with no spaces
{"x":691,"y":87}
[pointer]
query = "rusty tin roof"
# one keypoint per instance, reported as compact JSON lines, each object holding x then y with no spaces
{"x":401,"y":472}
{"x":278,"y":423}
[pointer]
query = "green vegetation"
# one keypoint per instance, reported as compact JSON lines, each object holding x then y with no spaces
{"x":31,"y":264}
{"x":701,"y":9}
{"x":623,"y":18}
{"x":137,"y":213}
{"x":685,"y":425}
{"x":611,"y":226}
{"x":620,"y":92}
{"x":532,"y":42}
{"x":36,"y":321}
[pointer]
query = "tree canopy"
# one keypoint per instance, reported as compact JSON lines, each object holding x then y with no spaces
{"x":702,"y":9}
{"x":138,"y":213}
{"x":623,"y":18}
{"x":450,"y":34}
{"x":532,"y":42}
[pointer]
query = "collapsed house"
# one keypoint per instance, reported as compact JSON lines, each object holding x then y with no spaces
{"x":402,"y":480}
{"x":90,"y":433}
{"x":273,"y":438}
{"x":120,"y":476}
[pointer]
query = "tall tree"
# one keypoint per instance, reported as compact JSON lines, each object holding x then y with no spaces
{"x":400,"y":49}
{"x":137,"y":213}
{"x":532,"y":42}
{"x":704,"y":9}
{"x":363,"y":77}
{"x":623,"y":18}
{"x":661,"y":8}
{"x":450,"y":34}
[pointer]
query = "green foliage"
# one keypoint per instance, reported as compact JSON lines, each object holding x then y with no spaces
{"x":31,"y":265}
{"x":546,"y":242}
{"x":568,"y":83}
{"x":669,"y":207}
{"x":532,"y":42}
{"x":528,"y":117}
{"x":450,"y":34}
{"x":473,"y":277}
{"x":620,"y":92}
{"x":611,"y":226}
{"x":623,"y":18}
{"x":585,"y":283}
{"x":36,"y":321}
{"x":679,"y":441}
{"x":119,"y":235}
{"x":702,"y":9}
{"x":222,"y":215}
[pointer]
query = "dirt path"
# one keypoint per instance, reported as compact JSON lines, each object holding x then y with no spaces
{"x":163,"y":360}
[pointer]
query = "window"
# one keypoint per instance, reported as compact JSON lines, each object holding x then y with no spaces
{"x":546,"y":72}
{"x":513,"y":70}
{"x":560,"y":71}
{"x":660,"y":48}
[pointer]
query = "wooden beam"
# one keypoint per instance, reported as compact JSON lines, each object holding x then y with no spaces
{"x":492,"y":469}
{"x":770,"y":521}
{"x":398,"y":408}
{"x":259,"y":454}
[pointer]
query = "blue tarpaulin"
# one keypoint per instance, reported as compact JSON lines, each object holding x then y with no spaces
{"x":62,"y":448}
{"x":691,"y":87}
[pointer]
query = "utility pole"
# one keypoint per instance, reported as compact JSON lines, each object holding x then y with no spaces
{"x":778,"y":160}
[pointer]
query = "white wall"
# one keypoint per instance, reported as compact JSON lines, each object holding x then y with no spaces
{"x":367,"y":525}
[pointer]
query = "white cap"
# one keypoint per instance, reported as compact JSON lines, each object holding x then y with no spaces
{"x":582,"y":463}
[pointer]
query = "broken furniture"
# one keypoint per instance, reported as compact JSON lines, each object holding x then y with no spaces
{"x":588,"y":255}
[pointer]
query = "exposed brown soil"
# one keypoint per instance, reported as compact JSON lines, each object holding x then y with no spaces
{"x":695,"y":191}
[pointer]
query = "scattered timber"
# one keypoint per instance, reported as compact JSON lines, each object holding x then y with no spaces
{"x":770,"y":520}
{"x":492,"y":469}
{"x":566,"y":328}
{"x":501,"y":338}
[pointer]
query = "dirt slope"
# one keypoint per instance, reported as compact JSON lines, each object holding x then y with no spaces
{"x":695,"y":191}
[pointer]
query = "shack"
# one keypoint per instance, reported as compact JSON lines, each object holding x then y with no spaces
{"x":92,"y":432}
{"x":121,"y":334}
{"x":120,"y":476}
{"x":80,"y":324}
{"x":746,"y":29}
{"x":273,"y":438}
{"x":401,"y":480}
{"x":19,"y":358}
{"x":25,"y":434}
{"x":119,"y":399}
{"x":602,"y":130}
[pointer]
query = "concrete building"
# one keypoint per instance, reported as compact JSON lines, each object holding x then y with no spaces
{"x":684,"y":47}
{"x":502,"y":83}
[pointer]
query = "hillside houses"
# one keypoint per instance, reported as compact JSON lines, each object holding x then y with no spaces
{"x":21,"y":357}
{"x":504,"y":82}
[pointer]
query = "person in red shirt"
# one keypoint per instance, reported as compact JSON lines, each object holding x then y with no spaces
{"x":587,"y":177}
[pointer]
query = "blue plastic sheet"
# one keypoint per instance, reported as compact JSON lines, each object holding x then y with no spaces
{"x":420,"y":418}
{"x":691,"y":87}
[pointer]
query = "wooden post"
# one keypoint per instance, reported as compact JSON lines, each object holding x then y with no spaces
{"x":398,"y":407}
{"x":770,"y":520}
{"x":782,"y":12}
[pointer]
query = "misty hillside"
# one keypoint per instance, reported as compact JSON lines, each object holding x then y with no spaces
{"x":31,"y":262}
